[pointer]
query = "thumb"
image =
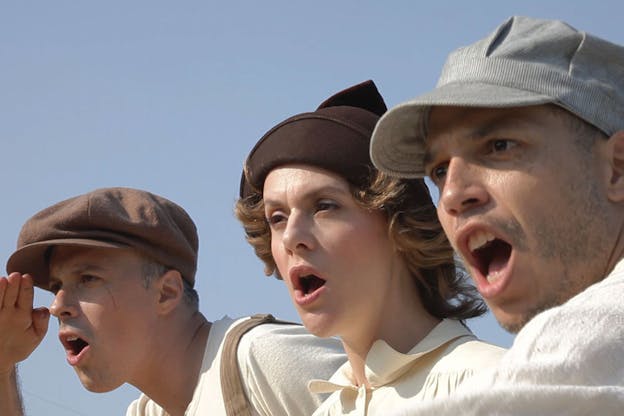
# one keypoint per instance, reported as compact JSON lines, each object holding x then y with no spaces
{"x":40,"y":320}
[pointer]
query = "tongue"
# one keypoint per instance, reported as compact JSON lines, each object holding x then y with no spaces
{"x":497,"y":264}
{"x":498,"y":261}
{"x":313,"y":284}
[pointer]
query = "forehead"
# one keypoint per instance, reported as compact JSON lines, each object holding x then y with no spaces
{"x":461,"y":124}
{"x":76,"y":257}
{"x":476,"y":120}
{"x":301,"y":179}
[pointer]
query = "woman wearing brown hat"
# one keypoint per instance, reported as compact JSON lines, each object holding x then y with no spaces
{"x":363,"y":257}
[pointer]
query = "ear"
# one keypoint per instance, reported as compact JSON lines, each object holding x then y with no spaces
{"x":170,"y":290}
{"x":615,"y":154}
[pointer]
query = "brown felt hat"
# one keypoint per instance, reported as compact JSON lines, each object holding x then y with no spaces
{"x":335,"y":137}
{"x":110,"y":218}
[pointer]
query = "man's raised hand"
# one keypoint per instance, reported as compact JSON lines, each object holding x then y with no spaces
{"x":21,"y":327}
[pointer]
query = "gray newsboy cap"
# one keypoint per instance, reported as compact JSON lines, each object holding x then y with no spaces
{"x":525,"y":61}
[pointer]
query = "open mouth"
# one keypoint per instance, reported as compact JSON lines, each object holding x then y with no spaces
{"x":75,"y":345}
{"x":310,"y":283}
{"x":490,"y":254}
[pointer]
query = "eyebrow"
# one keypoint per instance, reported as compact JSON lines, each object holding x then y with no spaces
{"x":503,"y":121}
{"x":310,"y":194}
{"x":80,"y":269}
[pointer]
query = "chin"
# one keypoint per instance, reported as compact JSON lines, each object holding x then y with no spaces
{"x":97,"y":387}
{"x":94,"y":388}
{"x":514,"y":322}
{"x":318,"y":325}
{"x":511,"y":326}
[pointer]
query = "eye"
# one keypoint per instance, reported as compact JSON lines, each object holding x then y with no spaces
{"x":54,"y":287}
{"x":438,"y":173}
{"x":88,"y":278}
{"x":275,"y":218}
{"x":501,"y":145}
{"x":326,"y":205}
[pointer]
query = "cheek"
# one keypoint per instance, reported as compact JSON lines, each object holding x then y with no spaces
{"x":102,"y":320}
{"x":526,"y":196}
{"x":279,"y":256}
{"x":362,"y":245}
{"x":132,"y":321}
{"x":444,"y":221}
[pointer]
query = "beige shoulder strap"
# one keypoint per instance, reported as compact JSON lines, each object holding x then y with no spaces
{"x":236,"y":402}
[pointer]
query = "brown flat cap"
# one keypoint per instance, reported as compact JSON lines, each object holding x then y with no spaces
{"x":335,"y":137}
{"x":113,"y":218}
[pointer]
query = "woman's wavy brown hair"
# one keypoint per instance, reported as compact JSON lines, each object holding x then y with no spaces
{"x":414,"y":228}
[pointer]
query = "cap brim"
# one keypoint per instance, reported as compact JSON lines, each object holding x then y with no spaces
{"x":397,"y":144}
{"x":31,"y":258}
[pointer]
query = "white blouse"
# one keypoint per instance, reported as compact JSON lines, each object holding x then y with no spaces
{"x":449,"y":355}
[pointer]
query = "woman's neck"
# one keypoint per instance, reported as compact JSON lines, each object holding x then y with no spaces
{"x":402,"y":322}
{"x":400,"y":334}
{"x":357,"y":360}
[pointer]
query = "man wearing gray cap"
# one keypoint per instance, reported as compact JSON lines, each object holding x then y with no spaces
{"x":524,"y":138}
{"x":121,"y":263}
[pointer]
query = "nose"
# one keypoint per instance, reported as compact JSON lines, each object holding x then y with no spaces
{"x":63,"y":306}
{"x":298,"y":235}
{"x":463,"y":188}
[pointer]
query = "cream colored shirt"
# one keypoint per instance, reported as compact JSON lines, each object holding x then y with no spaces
{"x":276,"y":361}
{"x":567,"y":361}
{"x":448,"y":356}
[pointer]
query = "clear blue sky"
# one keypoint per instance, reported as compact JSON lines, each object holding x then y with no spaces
{"x":170,"y":97}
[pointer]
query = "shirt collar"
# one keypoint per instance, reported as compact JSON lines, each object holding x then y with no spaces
{"x":384,"y":364}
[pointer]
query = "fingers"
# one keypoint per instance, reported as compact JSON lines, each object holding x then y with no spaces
{"x":16,"y":291}
{"x":16,"y":303}
{"x":11,"y":291}
{"x":21,"y":327}
{"x":26,"y":293}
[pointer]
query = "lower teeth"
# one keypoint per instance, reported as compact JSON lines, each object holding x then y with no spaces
{"x":492,"y":277}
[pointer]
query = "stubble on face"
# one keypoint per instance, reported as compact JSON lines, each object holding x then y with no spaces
{"x":557,"y":212}
{"x":571,"y":236}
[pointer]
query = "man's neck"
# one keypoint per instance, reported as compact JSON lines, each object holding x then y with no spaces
{"x":175,"y":369}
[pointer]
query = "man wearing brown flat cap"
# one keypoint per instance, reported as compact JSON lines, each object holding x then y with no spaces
{"x":121,"y":263}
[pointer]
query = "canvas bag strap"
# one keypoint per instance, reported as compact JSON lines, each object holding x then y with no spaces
{"x":234,"y":398}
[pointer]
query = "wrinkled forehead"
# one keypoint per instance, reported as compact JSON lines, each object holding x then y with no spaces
{"x":60,"y":254}
{"x":471,"y":122}
{"x":67,"y":258}
{"x":452,"y":127}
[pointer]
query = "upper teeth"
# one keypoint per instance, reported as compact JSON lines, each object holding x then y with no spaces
{"x":71,"y":339}
{"x":479,"y":239}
